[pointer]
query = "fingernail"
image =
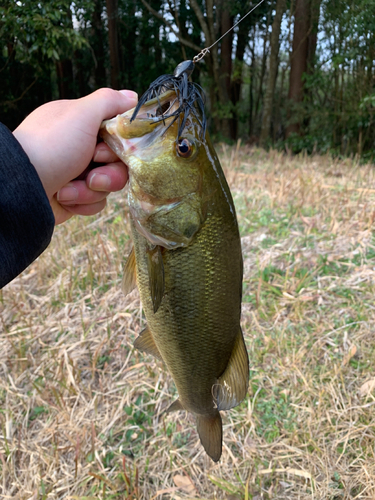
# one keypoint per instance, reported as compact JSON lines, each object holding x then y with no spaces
{"x":97,"y":156}
{"x":130,"y":94}
{"x":101,"y":153}
{"x":67,"y":193}
{"x":100,"y":182}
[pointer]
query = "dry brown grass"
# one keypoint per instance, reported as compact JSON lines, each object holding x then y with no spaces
{"x":81,"y":412}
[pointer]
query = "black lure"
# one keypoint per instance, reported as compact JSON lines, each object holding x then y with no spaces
{"x":190,"y":97}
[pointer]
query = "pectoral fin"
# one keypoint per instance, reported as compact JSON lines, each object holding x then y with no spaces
{"x":146,"y":343}
{"x":129,"y":281}
{"x":231,"y":387}
{"x":175,"y":406}
{"x":156,"y":275}
{"x":211,"y":435}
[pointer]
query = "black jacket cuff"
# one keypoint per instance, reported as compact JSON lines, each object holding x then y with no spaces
{"x":26,"y":217}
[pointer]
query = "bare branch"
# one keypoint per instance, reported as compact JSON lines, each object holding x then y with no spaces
{"x":8,"y":103}
{"x":210,"y":19}
{"x":202,"y":22}
{"x":171,"y":11}
{"x":174,"y":13}
{"x":182,"y":40}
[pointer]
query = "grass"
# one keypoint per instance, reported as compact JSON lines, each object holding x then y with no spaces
{"x":81,"y":412}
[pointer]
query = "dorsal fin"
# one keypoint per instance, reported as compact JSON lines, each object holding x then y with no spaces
{"x":129,"y":281}
{"x":146,"y":343}
{"x":231,"y":386}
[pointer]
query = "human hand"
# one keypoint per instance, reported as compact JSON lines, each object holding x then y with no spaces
{"x":60,"y":139}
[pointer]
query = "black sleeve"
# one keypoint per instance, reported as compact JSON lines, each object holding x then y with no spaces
{"x":26,"y":217}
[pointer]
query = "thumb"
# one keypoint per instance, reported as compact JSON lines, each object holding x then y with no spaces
{"x":106,"y":103}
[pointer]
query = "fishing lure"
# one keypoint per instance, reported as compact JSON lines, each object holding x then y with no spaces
{"x":188,"y":94}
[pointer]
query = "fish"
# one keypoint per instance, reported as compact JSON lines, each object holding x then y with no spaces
{"x":186,"y":258}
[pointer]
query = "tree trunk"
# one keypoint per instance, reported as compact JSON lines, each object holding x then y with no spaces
{"x":221,"y":89}
{"x":278,"y":123}
{"x":64,"y":69}
{"x":98,"y":45}
{"x":313,"y":35}
{"x":114,"y":53}
{"x":263,"y":67}
{"x":312,"y":39}
{"x":298,"y":59}
{"x":273,"y":65}
{"x":251,"y":85}
{"x":226,"y":72}
{"x":129,"y":41}
{"x":210,"y":37}
{"x":243,"y":35}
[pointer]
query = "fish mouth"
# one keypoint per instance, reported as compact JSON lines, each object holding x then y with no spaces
{"x":126,"y":136}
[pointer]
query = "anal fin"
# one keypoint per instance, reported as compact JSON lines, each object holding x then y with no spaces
{"x":146,"y":343}
{"x":210,"y":432}
{"x":129,"y":281}
{"x":231,"y":386}
{"x":155,"y":267}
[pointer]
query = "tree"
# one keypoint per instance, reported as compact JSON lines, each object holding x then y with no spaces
{"x":97,"y":43}
{"x":226,"y":22}
{"x":298,"y":65}
{"x":114,"y":42}
{"x":273,"y":67}
{"x":38,"y":35}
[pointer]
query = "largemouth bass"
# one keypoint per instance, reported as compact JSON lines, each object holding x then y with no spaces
{"x":186,"y":258}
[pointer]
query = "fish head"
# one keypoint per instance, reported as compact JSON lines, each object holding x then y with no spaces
{"x":167,"y":191}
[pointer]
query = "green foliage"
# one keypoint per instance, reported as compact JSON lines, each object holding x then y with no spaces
{"x":36,"y":412}
{"x":274,"y":414}
{"x":39,"y":31}
{"x":34,"y":37}
{"x":337,"y":112}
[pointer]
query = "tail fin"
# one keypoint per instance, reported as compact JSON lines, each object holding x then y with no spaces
{"x":211,"y":434}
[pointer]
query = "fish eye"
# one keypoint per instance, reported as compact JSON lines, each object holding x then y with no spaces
{"x":184,"y":148}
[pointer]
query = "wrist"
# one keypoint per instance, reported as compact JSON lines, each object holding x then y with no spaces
{"x":26,"y":143}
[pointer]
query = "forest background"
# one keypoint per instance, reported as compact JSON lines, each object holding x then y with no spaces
{"x":295,"y":74}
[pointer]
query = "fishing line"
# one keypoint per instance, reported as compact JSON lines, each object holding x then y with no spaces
{"x":206,"y":50}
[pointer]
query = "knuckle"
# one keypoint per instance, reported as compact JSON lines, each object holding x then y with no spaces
{"x":105,"y":93}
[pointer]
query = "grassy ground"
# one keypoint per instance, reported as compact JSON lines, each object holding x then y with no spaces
{"x":81,"y":412}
